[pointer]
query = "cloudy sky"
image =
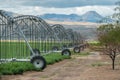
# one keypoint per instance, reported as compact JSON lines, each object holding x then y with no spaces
{"x":39,"y":7}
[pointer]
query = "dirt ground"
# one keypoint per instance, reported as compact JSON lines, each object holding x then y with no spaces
{"x":92,"y":67}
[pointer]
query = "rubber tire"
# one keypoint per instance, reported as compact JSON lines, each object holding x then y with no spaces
{"x":66,"y":51}
{"x":36,"y":51}
{"x":76,"y":49}
{"x":38,"y":58}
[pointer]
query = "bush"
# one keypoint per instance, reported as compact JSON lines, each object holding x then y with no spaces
{"x":15,"y":67}
{"x":55,"y":57}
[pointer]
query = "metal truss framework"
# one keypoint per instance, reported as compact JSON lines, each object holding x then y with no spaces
{"x":23,"y":33}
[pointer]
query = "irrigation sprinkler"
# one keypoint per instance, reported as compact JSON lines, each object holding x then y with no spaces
{"x":75,"y":40}
{"x":62,"y":37}
{"x":78,"y":39}
{"x":21,"y":36}
{"x":28,"y":38}
{"x":71,"y":39}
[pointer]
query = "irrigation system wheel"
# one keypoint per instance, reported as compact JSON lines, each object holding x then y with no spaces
{"x":39,"y":62}
{"x":66,"y":52}
{"x":76,"y":49}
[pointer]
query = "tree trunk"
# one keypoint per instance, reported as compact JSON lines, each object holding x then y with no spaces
{"x":113,"y":64}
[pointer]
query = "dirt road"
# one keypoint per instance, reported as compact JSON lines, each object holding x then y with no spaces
{"x":76,"y":68}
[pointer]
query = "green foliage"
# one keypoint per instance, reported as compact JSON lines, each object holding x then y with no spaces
{"x":109,"y":34}
{"x":15,"y":67}
{"x":20,"y":67}
{"x":95,"y":43}
{"x":55,"y":57}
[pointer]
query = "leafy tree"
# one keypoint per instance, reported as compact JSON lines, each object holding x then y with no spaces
{"x":116,"y":15}
{"x":109,"y":36}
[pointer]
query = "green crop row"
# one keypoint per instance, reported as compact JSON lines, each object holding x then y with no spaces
{"x":11,"y":68}
{"x":20,"y":49}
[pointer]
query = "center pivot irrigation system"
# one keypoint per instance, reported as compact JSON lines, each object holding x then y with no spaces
{"x":28,"y":38}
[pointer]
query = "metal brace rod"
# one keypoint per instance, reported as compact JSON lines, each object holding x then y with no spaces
{"x":28,"y":45}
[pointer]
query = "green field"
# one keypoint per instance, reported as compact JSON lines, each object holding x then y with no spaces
{"x":20,"y":49}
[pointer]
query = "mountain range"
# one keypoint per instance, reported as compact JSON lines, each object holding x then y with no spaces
{"x":90,"y":16}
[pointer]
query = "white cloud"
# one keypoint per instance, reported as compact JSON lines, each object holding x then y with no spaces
{"x":36,"y":10}
{"x":103,"y":10}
